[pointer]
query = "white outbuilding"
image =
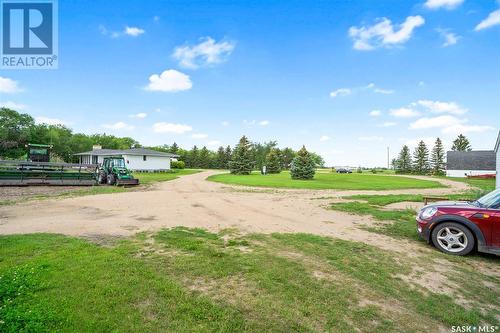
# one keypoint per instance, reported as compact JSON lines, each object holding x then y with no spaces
{"x":497,"y":152}
{"x":471,"y":163}
{"x":136,"y":159}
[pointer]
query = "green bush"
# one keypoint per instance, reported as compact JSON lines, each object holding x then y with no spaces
{"x":177,"y":164}
{"x":303,"y":166}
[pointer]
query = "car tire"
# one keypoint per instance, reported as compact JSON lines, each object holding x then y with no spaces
{"x":453,"y":238}
{"x":111,"y":179}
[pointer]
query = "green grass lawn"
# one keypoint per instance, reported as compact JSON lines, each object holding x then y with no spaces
{"x":190,"y":280}
{"x":330,"y":180}
{"x":147,"y":178}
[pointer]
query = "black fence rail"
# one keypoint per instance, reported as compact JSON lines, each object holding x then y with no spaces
{"x":24,"y":173}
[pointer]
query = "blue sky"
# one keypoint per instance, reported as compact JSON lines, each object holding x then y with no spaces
{"x":345,"y":78}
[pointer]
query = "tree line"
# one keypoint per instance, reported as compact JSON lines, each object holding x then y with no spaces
{"x":17,"y":130}
{"x":425,"y":162}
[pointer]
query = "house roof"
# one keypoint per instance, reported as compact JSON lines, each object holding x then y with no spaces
{"x":497,"y":145}
{"x":133,"y":151}
{"x":471,"y":160}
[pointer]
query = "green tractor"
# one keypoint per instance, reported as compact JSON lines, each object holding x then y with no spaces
{"x":114,"y":172}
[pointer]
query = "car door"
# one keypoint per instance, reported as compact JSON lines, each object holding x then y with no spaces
{"x":495,"y":225}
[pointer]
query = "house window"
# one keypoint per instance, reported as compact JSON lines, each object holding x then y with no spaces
{"x":143,"y":157}
{"x":94,"y":159}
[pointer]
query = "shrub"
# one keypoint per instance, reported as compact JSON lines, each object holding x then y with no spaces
{"x":177,"y":164}
{"x":303,"y":166}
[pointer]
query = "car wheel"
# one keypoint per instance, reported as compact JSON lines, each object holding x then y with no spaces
{"x":111,"y":179}
{"x":453,"y":238}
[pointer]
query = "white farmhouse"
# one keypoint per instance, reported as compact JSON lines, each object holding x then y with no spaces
{"x":471,"y":163}
{"x":497,"y":152}
{"x":136,"y":159}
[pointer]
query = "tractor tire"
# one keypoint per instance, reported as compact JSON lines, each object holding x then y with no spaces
{"x":111,"y":179}
{"x":101,"y":178}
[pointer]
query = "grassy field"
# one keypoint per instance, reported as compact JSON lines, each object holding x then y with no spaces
{"x":147,"y":178}
{"x":402,"y":222}
{"x":354,"y":181}
{"x":190,"y":280}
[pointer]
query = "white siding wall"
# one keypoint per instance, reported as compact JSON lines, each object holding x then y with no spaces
{"x":463,"y":173}
{"x":135,"y":162}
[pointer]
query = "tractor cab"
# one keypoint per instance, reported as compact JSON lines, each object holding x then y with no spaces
{"x":38,"y":152}
{"x":114,"y":172}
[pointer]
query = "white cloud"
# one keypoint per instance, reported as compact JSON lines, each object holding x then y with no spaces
{"x":140,"y":115}
{"x":421,"y":83}
{"x":447,"y":4}
{"x":324,"y":138}
{"x":169,"y":81}
{"x":119,"y":126}
{"x":13,"y":105}
{"x":225,"y":123}
{"x":264,"y":122}
{"x":127,"y":31}
{"x":383,"y":91}
{"x":375,"y":113}
{"x":207,"y":52}
{"x":388,"y":124}
{"x":492,"y":20}
{"x":49,"y":121}
{"x":461,"y":128}
{"x":404,"y":113}
{"x":249,"y":122}
{"x":429,"y":142}
{"x":371,"y":138}
{"x":436,"y":122}
{"x":133,"y":31}
{"x":213,"y":143}
{"x":199,"y":136}
{"x":340,"y":92}
{"x":383,"y":33}
{"x":442,"y":107}
{"x":163,"y":127}
{"x":450,"y":38}
{"x":9,"y":86}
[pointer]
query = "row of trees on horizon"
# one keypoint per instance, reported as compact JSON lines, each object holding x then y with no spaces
{"x":425,"y":162}
{"x":17,"y":129}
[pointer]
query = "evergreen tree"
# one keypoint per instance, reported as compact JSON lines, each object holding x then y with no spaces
{"x":242,"y":158}
{"x":204,"y":158}
{"x":421,"y":159}
{"x":437,"y":158}
{"x":174,"y":148}
{"x":220,"y":158}
{"x":461,"y":143}
{"x":228,"y":153}
{"x":192,"y":161}
{"x":403,"y":162}
{"x":303,"y":166}
{"x":273,"y":161}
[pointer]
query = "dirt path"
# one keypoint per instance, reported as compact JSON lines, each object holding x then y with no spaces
{"x":194,"y":202}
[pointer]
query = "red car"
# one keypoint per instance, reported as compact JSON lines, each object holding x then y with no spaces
{"x":458,"y":227}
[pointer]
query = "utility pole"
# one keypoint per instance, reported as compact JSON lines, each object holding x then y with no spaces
{"x":388,"y":163}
